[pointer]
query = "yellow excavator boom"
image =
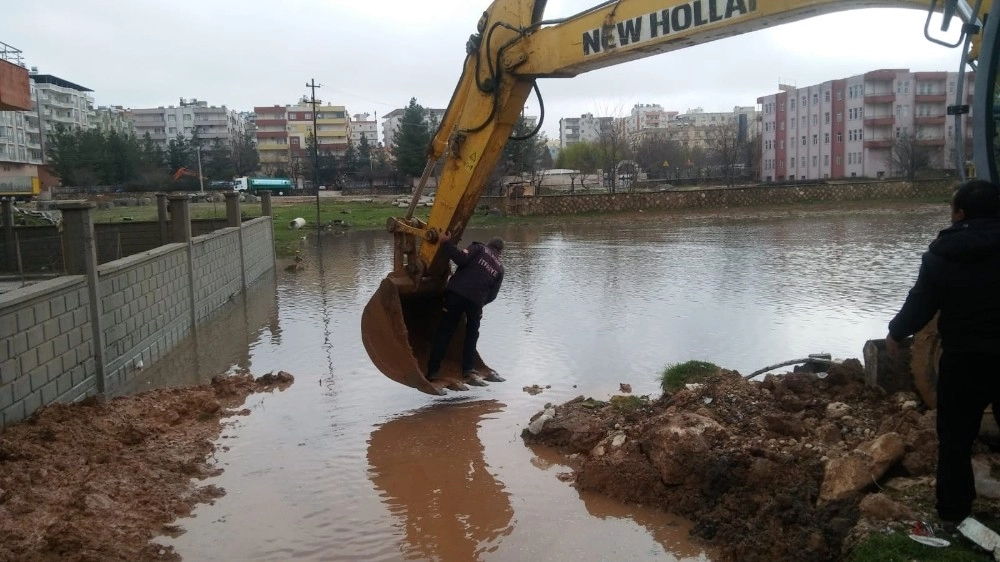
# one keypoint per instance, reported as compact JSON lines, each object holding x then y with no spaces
{"x":514,"y":46}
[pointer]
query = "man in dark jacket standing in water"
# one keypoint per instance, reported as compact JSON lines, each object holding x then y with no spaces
{"x":475,"y":284}
{"x":960,"y":277}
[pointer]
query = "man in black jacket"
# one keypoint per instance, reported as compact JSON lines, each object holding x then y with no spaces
{"x":475,"y":284}
{"x":960,"y":277}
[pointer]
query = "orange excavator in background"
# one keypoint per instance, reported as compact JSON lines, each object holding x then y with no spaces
{"x":182,"y":171}
{"x":512,"y":48}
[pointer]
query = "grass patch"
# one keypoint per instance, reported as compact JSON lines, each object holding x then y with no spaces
{"x":675,"y":376}
{"x":898,"y":547}
{"x":627,"y":404}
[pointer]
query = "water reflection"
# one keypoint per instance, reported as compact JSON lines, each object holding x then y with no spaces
{"x":429,"y":469}
{"x":219,"y":345}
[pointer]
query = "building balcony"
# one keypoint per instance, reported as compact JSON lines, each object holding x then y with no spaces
{"x":930,"y":142}
{"x":272,"y":135}
{"x":882,"y":75}
{"x":883,"y":143}
{"x":930,"y":98}
{"x":880,"y":98}
{"x":211,"y":122}
{"x":879,"y":121}
{"x":272,"y":147}
{"x":65,"y":104}
{"x":271,"y":123}
{"x":930,"y":120}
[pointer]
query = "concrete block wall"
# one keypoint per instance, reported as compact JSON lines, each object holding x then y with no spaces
{"x":720,"y":198}
{"x":120,"y":239}
{"x":46,"y":346}
{"x":147,"y":303}
{"x":41,"y":250}
{"x":145,"y":309}
{"x":258,"y":244}
{"x":217,"y":270}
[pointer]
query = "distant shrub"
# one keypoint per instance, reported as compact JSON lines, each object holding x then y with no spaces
{"x":675,"y":376}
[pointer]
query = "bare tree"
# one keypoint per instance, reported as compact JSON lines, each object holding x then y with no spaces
{"x":728,"y":146}
{"x":613,"y":147}
{"x":907,"y":155}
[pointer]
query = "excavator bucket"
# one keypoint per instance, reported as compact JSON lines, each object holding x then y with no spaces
{"x":398,"y":330}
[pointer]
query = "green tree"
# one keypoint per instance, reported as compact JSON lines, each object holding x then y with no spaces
{"x":411,"y":141}
{"x":178,"y":154}
{"x":350,"y":163}
{"x":583,"y":156}
{"x":245,"y":157}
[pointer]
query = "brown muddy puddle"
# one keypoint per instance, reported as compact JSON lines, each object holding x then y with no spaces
{"x":348,"y":465}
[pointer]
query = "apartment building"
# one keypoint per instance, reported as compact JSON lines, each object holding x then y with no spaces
{"x":55,"y":102}
{"x":211,"y":123}
{"x":848,"y":127}
{"x":393,"y":119}
{"x":647,"y":116}
{"x":585,"y":128}
{"x":283,"y":132}
{"x":272,"y":138}
{"x":112,"y":118}
{"x":361,"y":124}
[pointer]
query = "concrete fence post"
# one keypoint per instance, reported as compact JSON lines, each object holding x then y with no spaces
{"x":161,"y":217}
{"x":8,"y":232}
{"x":233,"y":218}
{"x":265,"y":204}
{"x":180,"y":232}
{"x":180,"y":218}
{"x":80,"y":258}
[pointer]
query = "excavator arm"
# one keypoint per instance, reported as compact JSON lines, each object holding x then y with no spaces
{"x":513,"y":47}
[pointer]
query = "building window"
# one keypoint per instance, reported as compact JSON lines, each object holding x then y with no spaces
{"x":826,"y":159}
{"x":840,"y":117}
{"x":815,"y":140}
{"x":791,"y":162}
{"x":815,"y":119}
{"x":791,"y":103}
{"x":826,"y":138}
{"x":803,"y":101}
{"x":803,"y":140}
{"x":840,"y":95}
{"x":815,"y":99}
{"x":826,"y":118}
{"x":840,"y":160}
{"x":840,"y":138}
{"x":815,"y":161}
{"x":826,"y":96}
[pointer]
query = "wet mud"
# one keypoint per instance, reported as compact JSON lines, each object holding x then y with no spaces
{"x":95,"y":481}
{"x":795,"y":467}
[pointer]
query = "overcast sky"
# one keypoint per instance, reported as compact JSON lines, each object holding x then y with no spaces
{"x":374,"y":55}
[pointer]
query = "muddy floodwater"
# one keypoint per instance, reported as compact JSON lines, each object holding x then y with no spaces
{"x":347,"y":465}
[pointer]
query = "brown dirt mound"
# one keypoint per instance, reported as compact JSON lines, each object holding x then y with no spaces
{"x":97,"y":481}
{"x":746,"y":461}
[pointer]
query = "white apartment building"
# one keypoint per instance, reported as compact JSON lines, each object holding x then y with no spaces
{"x":362,"y":124}
{"x":55,"y":102}
{"x":585,"y":128}
{"x":646,"y":116}
{"x":210,"y":122}
{"x":848,"y":127}
{"x":393,"y":119}
{"x":113,"y":118}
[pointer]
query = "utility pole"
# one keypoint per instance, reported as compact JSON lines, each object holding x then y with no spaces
{"x":201,"y":177}
{"x":312,"y":84}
